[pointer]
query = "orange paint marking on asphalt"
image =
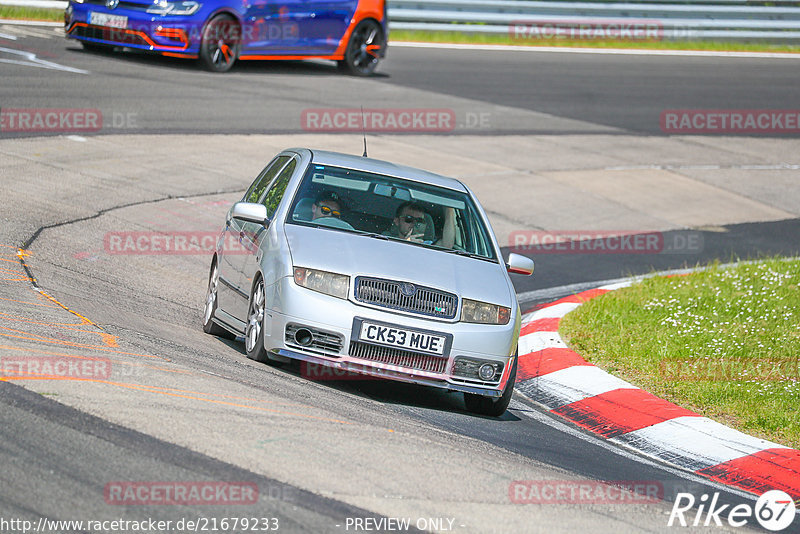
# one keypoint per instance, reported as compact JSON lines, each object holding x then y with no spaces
{"x":65,"y":326}
{"x":214,"y":401}
{"x":42,"y":339}
{"x":30,"y":303}
{"x":147,"y":389}
{"x":11,"y":271}
{"x":23,"y":279}
{"x":219,"y":395}
{"x":137,"y":364}
{"x":21,"y":252}
{"x":115,"y":362}
{"x":22,"y":334}
{"x":108,"y":339}
{"x":111,"y":342}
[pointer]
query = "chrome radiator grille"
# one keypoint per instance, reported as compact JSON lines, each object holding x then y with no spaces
{"x":406,"y":297}
{"x":398,"y":357}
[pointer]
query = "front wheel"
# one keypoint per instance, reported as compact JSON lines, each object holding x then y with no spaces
{"x":254,"y":331}
{"x":363,"y":51}
{"x":494,"y":407}
{"x":221,"y":43}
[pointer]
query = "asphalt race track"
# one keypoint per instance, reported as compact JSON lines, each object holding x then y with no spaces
{"x":550,"y":142}
{"x":522,"y":92}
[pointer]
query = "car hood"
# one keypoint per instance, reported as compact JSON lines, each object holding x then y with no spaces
{"x":359,"y":255}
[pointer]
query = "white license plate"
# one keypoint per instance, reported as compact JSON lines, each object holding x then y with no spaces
{"x":402,"y":338}
{"x":110,"y":21}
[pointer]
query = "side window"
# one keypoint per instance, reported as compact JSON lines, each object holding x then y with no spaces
{"x":275,"y":193}
{"x":260,"y":184}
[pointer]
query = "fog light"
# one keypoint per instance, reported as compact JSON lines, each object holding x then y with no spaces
{"x":303,"y":337}
{"x":486,"y":371}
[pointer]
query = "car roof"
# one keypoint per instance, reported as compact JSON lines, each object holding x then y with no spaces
{"x":360,"y":163}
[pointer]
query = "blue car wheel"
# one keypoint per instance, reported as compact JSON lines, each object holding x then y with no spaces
{"x":222,"y":39}
{"x":364,"y":49}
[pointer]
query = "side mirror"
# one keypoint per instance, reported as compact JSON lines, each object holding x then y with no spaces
{"x":518,"y":264}
{"x":247,"y":211}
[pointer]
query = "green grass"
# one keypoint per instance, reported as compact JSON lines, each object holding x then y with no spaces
{"x":504,"y":39}
{"x":31,"y":13}
{"x":722,"y":342}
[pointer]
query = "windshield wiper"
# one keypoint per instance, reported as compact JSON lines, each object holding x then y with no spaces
{"x":373,"y":234}
{"x":467,"y":254}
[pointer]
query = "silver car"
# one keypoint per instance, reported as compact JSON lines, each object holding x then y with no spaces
{"x":366,"y":266}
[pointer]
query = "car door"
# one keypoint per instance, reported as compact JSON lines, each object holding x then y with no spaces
{"x":271,"y":28}
{"x":256,"y":236}
{"x":232,"y":299}
{"x":323,"y":23}
{"x":296,"y":27}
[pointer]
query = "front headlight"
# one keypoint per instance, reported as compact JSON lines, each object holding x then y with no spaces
{"x":473,"y":311}
{"x":162,"y":7}
{"x":336,"y":285}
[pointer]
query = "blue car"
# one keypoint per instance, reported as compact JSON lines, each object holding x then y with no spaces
{"x":218,"y":32}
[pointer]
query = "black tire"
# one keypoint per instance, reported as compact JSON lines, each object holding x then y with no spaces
{"x":363,"y":52}
{"x":494,"y":407}
{"x":254,"y":331}
{"x":210,"y":308}
{"x":222,"y":40}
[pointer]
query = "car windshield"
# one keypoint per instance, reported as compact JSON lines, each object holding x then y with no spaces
{"x":391,"y":208}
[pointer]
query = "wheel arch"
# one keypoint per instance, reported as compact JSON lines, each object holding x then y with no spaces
{"x":256,"y":277}
{"x":366,"y":10}
{"x":223,"y":10}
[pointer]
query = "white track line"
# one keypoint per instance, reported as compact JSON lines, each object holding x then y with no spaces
{"x":30,"y":60}
{"x":620,"y":449}
{"x":577,"y":383}
{"x":551,"y":312}
{"x":13,"y":22}
{"x":45,"y":4}
{"x":536,"y":341}
{"x":694,"y":442}
{"x":571,"y":289}
{"x":601,"y":51}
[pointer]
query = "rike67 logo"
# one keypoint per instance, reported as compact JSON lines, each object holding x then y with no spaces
{"x":774,"y":510}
